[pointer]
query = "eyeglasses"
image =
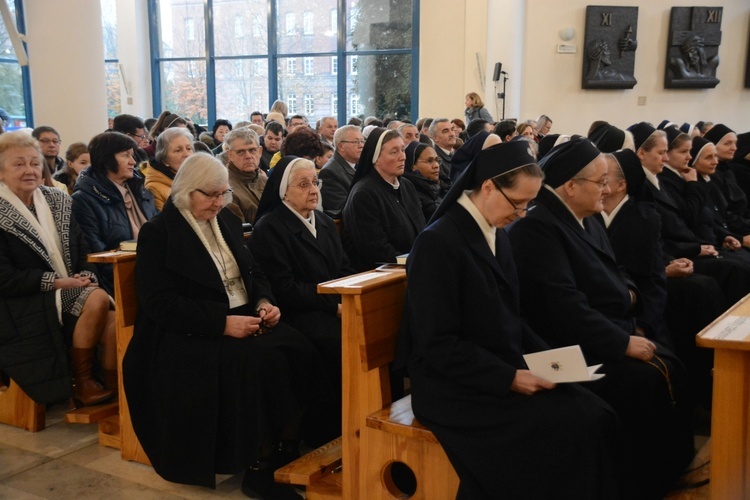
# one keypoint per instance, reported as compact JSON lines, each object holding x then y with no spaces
{"x":307,"y":185}
{"x":243,"y":152}
{"x":225,"y":196}
{"x":516,"y":210}
{"x":602,"y":183}
{"x":141,"y":137}
{"x":50,"y":141}
{"x":361,"y":142}
{"x":432,"y":161}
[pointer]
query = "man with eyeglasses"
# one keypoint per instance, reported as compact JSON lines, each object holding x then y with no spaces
{"x":133,"y":127}
{"x":573,"y":291}
{"x":49,"y":141}
{"x":336,"y":175}
{"x":246,"y":178}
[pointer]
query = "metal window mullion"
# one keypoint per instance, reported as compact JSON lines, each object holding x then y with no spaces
{"x":273,"y":76}
{"x":343,"y":101}
{"x":210,"y":63}
{"x":25,"y":71}
{"x":154,"y":43}
{"x":415,"y":61}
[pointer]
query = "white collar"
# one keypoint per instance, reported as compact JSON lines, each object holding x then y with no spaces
{"x":308,"y":223}
{"x":651,"y":177}
{"x":608,"y":218}
{"x":706,"y":178}
{"x":487,"y":230}
{"x":580,"y":220}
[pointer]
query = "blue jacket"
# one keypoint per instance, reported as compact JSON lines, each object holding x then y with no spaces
{"x":100,"y":211}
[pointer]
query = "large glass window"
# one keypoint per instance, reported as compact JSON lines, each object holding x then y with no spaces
{"x":227,"y":58}
{"x":14,"y":88}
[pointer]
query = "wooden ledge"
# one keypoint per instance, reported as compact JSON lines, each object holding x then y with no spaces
{"x":377,"y":279}
{"x":399,"y":419}
{"x":312,"y":467}
{"x":110,"y":257}
{"x":742,"y":309}
{"x":91,"y":414}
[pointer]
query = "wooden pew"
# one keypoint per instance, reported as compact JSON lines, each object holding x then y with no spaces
{"x":116,"y":431}
{"x":18,"y":409}
{"x":374,"y":433}
{"x":730,"y":418}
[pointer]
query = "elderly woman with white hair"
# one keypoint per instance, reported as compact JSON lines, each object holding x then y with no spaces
{"x":50,"y":303}
{"x":299,"y":247}
{"x":215,"y":383}
{"x":173,"y":146}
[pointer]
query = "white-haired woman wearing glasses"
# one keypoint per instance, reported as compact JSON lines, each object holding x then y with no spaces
{"x":215,"y":383}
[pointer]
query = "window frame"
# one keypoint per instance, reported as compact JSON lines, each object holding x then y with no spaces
{"x":25,"y":73}
{"x":273,"y":24}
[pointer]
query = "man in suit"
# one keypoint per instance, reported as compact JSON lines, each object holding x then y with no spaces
{"x":326,"y":128}
{"x":441,"y":131}
{"x":574,"y":292}
{"x":336,"y":175}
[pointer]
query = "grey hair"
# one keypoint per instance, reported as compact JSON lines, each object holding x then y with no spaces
{"x":405,"y":125}
{"x":19,"y":139}
{"x":245,"y":134}
{"x":338,"y":136}
{"x":162,"y":142}
{"x":542,"y":121}
{"x":323,"y":120}
{"x":435,"y":123}
{"x":199,"y":171}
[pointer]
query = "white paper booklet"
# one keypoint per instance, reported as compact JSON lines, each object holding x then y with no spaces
{"x":565,"y":364}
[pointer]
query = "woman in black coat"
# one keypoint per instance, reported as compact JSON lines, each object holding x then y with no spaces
{"x":506,"y":431}
{"x":110,"y":201}
{"x":298,"y":247}
{"x":382,"y":215}
{"x":215,"y":383}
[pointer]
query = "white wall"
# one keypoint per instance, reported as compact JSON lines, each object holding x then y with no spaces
{"x":523,"y":34}
{"x":133,"y":52}
{"x":552,"y":82}
{"x":66,"y":61}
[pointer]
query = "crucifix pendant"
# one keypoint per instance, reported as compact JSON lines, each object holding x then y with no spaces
{"x":229,"y":284}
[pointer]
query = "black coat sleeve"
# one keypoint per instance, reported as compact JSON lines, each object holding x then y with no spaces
{"x":172,"y":301}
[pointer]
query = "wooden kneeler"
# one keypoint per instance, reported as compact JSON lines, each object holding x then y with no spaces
{"x":394,"y":436}
{"x":375,"y":434}
{"x":19,"y":410}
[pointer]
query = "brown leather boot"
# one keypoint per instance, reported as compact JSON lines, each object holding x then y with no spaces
{"x":110,"y":381}
{"x":86,"y":390}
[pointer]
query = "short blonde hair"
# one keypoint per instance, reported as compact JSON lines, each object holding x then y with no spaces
{"x":18,"y":139}
{"x":199,"y":171}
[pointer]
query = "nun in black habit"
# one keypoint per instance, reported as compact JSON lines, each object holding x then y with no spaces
{"x":298,"y":247}
{"x":382,"y":214}
{"x":574,"y":292}
{"x":676,"y":302}
{"x":422,"y":168}
{"x":506,"y":431}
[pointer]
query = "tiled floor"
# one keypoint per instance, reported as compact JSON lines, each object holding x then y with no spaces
{"x":65,"y":461}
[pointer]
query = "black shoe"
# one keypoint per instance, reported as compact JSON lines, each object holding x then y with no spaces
{"x":258,"y":483}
